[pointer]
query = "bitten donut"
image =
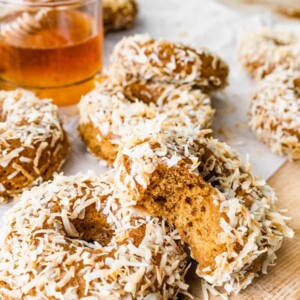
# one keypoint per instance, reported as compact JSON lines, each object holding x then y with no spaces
{"x":141,"y":57}
{"x":275,"y":112}
{"x":119,"y":14}
{"x":70,"y":239}
{"x":263,"y":51}
{"x":32,"y":141}
{"x":113,"y":110}
{"x":227,"y":217}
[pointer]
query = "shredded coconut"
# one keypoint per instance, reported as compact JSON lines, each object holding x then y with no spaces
{"x":141,"y":57}
{"x":43,"y":256}
{"x":253,"y":220}
{"x":119,"y":14}
{"x":26,"y":124}
{"x":263,"y":51}
{"x":275,"y":112}
{"x":115,"y":115}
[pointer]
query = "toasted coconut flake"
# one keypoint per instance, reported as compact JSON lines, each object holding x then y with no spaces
{"x":264,"y":51}
{"x":28,"y":124}
{"x":275,"y":112}
{"x":114,"y":113}
{"x":258,"y":227}
{"x":140,"y":57}
{"x":41,"y":257}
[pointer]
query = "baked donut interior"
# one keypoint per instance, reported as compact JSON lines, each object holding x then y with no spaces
{"x":93,"y":227}
{"x":186,"y":200}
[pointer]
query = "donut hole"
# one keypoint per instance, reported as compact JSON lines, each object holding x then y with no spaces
{"x":186,"y":201}
{"x":297,"y":82}
{"x":2,"y":117}
{"x":297,"y":86}
{"x":147,"y":93}
{"x":93,"y":227}
{"x":160,"y":200}
{"x":276,"y":41}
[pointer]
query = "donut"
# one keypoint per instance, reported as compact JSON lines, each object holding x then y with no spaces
{"x":114,"y":110}
{"x":70,"y":239}
{"x":141,"y":57}
{"x":226,"y":216}
{"x":32,"y":141}
{"x":119,"y":14}
{"x":275,"y":112}
{"x":263,"y":51}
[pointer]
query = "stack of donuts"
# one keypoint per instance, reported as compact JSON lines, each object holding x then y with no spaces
{"x":149,"y":79}
{"x":272,"y":57}
{"x":173,"y":187}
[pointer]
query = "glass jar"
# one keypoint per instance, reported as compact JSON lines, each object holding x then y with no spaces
{"x":51,"y":47}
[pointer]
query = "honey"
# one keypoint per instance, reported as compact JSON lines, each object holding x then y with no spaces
{"x":56,"y":54}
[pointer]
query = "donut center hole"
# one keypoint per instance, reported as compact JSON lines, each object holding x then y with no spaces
{"x":277,"y":42}
{"x":297,"y":86}
{"x":2,"y":118}
{"x":93,"y":227}
{"x":142,"y":92}
{"x":186,"y":201}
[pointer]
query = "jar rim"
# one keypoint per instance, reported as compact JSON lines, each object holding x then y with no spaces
{"x":46,"y":3}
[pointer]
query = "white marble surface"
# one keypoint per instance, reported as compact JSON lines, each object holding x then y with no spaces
{"x":199,"y":23}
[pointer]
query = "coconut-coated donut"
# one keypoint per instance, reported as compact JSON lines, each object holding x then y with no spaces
{"x":263,"y":51}
{"x":32,"y":141}
{"x":140,"y":57}
{"x":114,"y":110}
{"x":227,"y":217}
{"x":70,"y":239}
{"x":119,"y":14}
{"x":275,"y":112}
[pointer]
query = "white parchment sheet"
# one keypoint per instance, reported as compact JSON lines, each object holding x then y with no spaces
{"x":218,"y":28}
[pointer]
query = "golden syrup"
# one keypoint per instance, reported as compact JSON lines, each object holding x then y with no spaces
{"x":58,"y":57}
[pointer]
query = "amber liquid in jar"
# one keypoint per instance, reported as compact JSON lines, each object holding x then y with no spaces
{"x":56,"y":55}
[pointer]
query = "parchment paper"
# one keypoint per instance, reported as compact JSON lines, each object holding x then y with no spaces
{"x":199,"y":23}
